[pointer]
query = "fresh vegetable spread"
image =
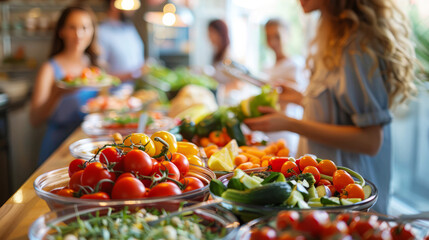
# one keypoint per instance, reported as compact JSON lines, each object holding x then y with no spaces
{"x":92,"y":76}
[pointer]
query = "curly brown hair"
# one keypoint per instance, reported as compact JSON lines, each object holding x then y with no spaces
{"x":382,"y":31}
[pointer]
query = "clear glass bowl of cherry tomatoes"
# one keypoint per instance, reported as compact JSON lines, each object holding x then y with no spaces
{"x":321,"y":224}
{"x":96,"y":185}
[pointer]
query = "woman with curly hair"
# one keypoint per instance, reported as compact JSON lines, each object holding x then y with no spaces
{"x":362,"y":64}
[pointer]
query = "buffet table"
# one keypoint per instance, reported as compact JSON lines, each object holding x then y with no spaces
{"x":17,"y":214}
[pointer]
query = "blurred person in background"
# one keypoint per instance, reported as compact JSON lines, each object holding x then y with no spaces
{"x":362,"y":65}
{"x":288,"y":71}
{"x":74,"y":49}
{"x":122,"y":49}
{"x":230,"y":90}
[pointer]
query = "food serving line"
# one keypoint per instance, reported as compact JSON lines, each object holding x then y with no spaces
{"x":24,"y":207}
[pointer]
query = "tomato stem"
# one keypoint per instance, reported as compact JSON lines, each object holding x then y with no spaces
{"x":164,"y":150}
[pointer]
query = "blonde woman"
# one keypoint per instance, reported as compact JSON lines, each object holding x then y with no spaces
{"x":361,"y":65}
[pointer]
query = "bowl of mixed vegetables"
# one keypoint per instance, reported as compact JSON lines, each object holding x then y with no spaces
{"x":258,"y":192}
{"x":90,"y":77}
{"x":98,"y":124}
{"x":321,"y":224}
{"x":135,"y":221}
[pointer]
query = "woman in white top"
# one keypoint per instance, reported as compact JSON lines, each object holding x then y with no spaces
{"x":362,"y":65}
{"x":288,"y":71}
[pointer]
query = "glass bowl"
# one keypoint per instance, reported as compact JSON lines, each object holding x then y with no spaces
{"x":248,"y":212}
{"x":59,"y":178}
{"x":215,"y":216}
{"x":86,"y":148}
{"x":419,"y":228}
{"x":98,"y":124}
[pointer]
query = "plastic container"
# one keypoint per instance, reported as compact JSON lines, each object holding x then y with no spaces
{"x":419,"y":229}
{"x":60,"y":178}
{"x":218,"y":217}
{"x":248,"y":212}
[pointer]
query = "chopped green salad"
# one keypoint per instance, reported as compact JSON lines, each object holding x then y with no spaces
{"x":127,"y":225}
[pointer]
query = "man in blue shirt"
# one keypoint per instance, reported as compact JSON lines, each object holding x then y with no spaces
{"x":122,"y":46}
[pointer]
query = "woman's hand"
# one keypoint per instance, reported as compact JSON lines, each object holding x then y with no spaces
{"x":290,"y":95}
{"x":271,"y":121}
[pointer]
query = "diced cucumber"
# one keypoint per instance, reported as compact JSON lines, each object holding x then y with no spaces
{"x":367,"y":191}
{"x":312,"y":193}
{"x":302,"y":204}
{"x":330,"y":201}
{"x":250,"y":182}
{"x":238,"y":173}
{"x":344,"y":201}
{"x":315,"y":204}
{"x":294,"y":197}
{"x":217,"y":187}
{"x":323,"y":191}
{"x":235,"y":183}
{"x":302,"y":190}
{"x":354,"y":200}
{"x":304,"y":183}
{"x":258,"y":179}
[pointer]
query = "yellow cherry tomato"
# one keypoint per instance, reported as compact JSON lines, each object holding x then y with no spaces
{"x":168,"y":137}
{"x":140,"y":139}
{"x":195,"y":160}
{"x":187,"y":148}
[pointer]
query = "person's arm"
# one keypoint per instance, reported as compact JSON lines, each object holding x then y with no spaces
{"x":45,"y":96}
{"x":365,"y":140}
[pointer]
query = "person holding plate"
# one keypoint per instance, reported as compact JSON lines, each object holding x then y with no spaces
{"x":73,"y":51}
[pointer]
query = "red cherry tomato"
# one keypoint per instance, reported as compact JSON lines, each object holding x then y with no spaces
{"x":307,"y":161}
{"x":362,"y":226}
{"x":181,"y":162}
{"x":334,"y":228}
{"x":265,"y":233}
{"x":94,"y":173}
{"x":402,"y":232}
{"x":325,"y":182}
{"x":124,"y":175}
{"x":173,"y":171}
{"x":314,"y":171}
{"x":341,"y":179}
{"x":289,"y":169}
{"x":191,"y":183}
{"x":164,"y":189}
{"x":97,"y":195}
{"x":76,"y":165}
{"x":75,"y":181}
{"x":138,"y":161}
{"x":128,"y":188}
{"x":313,"y":222}
{"x":276,"y":163}
{"x":65,"y":192}
{"x":111,"y":155}
{"x":286,"y":219}
{"x":327,"y":167}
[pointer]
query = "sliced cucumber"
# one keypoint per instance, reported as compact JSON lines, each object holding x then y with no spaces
{"x":300,"y":188}
{"x":323,"y":191}
{"x":238,"y":173}
{"x":258,"y":179}
{"x":217,"y":187}
{"x":330,"y":201}
{"x":344,"y":201}
{"x":302,"y":204}
{"x":294,"y":197}
{"x":273,"y":193}
{"x":312,"y":193}
{"x":250,"y":182}
{"x":235,"y":183}
{"x":315,"y":204}
{"x":367,"y":191}
{"x":304,"y":183}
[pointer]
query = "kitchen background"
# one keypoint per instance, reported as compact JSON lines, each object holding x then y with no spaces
{"x":25,"y":34}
